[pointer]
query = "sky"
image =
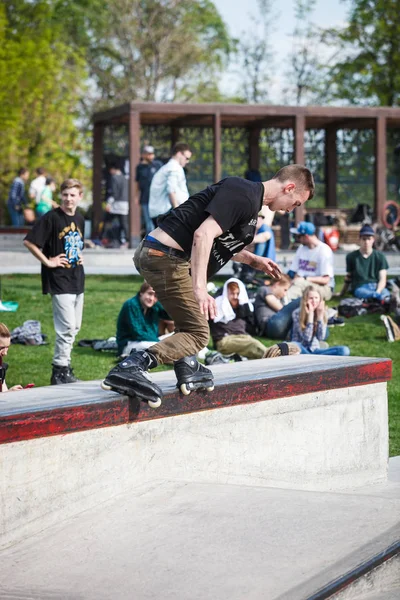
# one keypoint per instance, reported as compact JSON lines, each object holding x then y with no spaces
{"x":236,"y":14}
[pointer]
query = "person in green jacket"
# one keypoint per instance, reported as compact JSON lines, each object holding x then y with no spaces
{"x":140,"y":322}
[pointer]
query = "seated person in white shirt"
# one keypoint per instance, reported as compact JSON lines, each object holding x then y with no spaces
{"x":313,"y":263}
{"x":168,"y":187}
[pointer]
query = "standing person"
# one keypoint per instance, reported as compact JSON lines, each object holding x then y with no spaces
{"x":168,"y":188}
{"x":118,"y":204}
{"x":310,"y":325}
{"x":46,"y":201}
{"x":17,"y":200}
{"x":191,"y":243}
{"x":37,"y":185}
{"x":56,"y":240}
{"x":145,"y":172}
{"x":366,"y":269}
{"x":5,"y":341}
{"x":313,"y":263}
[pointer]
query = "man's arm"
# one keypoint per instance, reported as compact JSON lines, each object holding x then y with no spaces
{"x":202,"y":242}
{"x":56,"y":261}
{"x":266,"y":265}
{"x":273,"y":302}
{"x":172,"y":186}
{"x":264,"y":236}
{"x":382,"y":280}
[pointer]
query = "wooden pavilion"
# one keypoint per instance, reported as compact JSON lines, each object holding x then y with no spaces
{"x":252,"y":118}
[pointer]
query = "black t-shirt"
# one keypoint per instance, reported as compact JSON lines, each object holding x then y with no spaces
{"x":57,"y":233}
{"x":233,"y":202}
{"x":144,"y":174}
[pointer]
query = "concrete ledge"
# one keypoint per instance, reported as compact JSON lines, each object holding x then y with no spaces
{"x":314,"y":423}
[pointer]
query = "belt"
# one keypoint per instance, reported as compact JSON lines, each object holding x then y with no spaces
{"x":165,"y":249}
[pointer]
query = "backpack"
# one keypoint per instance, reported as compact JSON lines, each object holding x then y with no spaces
{"x":351,"y":307}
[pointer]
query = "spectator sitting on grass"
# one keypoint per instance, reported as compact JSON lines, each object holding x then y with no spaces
{"x":140,"y":321}
{"x":310,"y":325}
{"x":5,"y":341}
{"x":273,"y":319}
{"x":229,"y":328}
{"x":366,"y":269}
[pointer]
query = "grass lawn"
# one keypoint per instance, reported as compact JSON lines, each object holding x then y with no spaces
{"x":104,"y":296}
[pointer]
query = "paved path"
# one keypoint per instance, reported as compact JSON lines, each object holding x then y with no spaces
{"x":119,"y":262}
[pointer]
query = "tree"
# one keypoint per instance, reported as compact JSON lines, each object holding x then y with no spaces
{"x":255,"y":55}
{"x":163,"y":50}
{"x":41,"y":82}
{"x":367,"y":70}
{"x":305,"y":70}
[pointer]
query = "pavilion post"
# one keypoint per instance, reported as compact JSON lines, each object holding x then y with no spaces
{"x":254,"y":149}
{"x":331,"y":167}
{"x":97,"y":157}
{"x":299,"y":154}
{"x":217,"y":146}
{"x":380,"y":167}
{"x":134,"y":158}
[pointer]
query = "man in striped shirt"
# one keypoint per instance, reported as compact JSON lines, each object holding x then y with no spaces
{"x":16,"y":198}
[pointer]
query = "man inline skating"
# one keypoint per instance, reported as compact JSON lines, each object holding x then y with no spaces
{"x":191,"y":243}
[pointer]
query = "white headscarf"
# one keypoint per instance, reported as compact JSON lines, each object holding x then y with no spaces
{"x":225,"y":312}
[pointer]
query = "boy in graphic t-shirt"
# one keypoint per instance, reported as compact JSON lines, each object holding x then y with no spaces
{"x":56,"y":240}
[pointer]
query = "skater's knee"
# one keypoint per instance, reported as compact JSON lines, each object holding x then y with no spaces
{"x":201,"y":339}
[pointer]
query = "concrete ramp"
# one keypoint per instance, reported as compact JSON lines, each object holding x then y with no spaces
{"x":177,"y":540}
{"x":274,"y":486}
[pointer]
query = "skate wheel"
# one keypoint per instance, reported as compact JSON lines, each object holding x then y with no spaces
{"x":154,"y":403}
{"x":210,"y":388}
{"x":184,"y":389}
{"x":106,"y":387}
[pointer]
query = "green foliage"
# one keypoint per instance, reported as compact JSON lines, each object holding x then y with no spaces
{"x":367,"y":70}
{"x":104,"y":296}
{"x":41,"y":83}
{"x":160,"y":50}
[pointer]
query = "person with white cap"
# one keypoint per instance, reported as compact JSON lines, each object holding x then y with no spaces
{"x":145,"y":172}
{"x":312,"y":264}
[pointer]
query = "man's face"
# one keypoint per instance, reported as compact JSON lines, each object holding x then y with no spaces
{"x":148,"y":298}
{"x":304,"y":240}
{"x":233,"y":297}
{"x":70,"y":198}
{"x":148,"y":157}
{"x":184,"y":157}
{"x":366,"y":243}
{"x":25,"y":176}
{"x":289,"y":197}
{"x":4,"y":345}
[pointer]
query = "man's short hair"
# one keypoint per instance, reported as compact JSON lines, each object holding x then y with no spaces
{"x":4,"y":331}
{"x":40,"y":171}
{"x":180,"y":147}
{"x":67,"y":184}
{"x":22,"y":171}
{"x":300,"y":175}
{"x":49,"y":180}
{"x":145,"y":287}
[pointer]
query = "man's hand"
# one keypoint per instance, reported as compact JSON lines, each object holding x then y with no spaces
{"x":57,"y":261}
{"x":80,"y":260}
{"x":207,"y":304}
{"x":266,"y":265}
{"x":15,"y":388}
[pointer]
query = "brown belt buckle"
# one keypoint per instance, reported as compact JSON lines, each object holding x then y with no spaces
{"x":154,"y":252}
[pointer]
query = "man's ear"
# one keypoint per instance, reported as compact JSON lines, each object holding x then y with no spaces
{"x":289,"y":188}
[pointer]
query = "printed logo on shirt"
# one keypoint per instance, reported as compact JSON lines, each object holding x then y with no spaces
{"x":73,"y":244}
{"x":307,"y":265}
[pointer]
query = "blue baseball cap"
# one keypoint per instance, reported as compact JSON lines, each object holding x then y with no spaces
{"x":303,"y":228}
{"x":366,"y":230}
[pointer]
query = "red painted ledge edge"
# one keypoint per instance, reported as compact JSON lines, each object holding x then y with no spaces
{"x":121,"y":410}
